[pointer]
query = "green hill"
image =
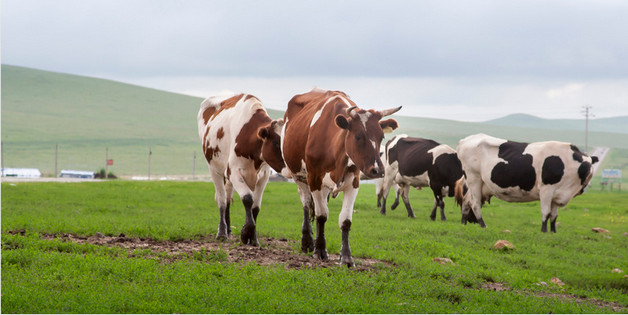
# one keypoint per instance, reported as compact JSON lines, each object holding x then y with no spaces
{"x":84,"y":116}
{"x":613,"y":124}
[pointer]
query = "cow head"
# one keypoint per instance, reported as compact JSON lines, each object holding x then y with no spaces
{"x":271,"y":146}
{"x":364,"y":134}
{"x":462,"y":197}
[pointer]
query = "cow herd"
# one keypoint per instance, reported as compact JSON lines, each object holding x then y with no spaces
{"x":325,"y":143}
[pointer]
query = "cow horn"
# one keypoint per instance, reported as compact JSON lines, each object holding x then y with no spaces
{"x":350,"y":109}
{"x":390,"y":111}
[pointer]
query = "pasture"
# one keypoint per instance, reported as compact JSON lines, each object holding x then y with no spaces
{"x":45,"y":269}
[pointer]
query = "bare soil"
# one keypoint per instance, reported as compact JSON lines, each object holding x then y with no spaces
{"x":271,"y":252}
{"x":499,"y":286}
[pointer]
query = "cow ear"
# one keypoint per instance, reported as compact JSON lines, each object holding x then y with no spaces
{"x":388,"y":125}
{"x":263,"y":133}
{"x":342,"y":122}
{"x":594,"y":159}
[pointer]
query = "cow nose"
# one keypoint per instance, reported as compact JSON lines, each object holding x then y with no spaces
{"x":375,"y":172}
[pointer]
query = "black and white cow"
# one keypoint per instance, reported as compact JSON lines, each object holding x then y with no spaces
{"x":551,"y":171}
{"x":419,"y":163}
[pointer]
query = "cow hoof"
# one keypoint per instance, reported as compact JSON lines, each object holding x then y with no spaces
{"x":248,"y":235}
{"x":321,"y":254}
{"x":443,"y":219}
{"x":382,"y":212}
{"x":481,"y":222}
{"x":411,"y":216}
{"x":222,"y":237}
{"x":347,"y":261}
{"x":433,"y":218}
{"x":307,"y":244}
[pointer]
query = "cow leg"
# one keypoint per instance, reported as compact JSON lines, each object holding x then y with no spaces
{"x":553,"y":217}
{"x":546,"y":208}
{"x":474,"y":209}
{"x":405,"y":195}
{"x":441,"y":204}
{"x":239,"y":181}
{"x":344,"y":221}
{"x":251,"y":222}
{"x":386,"y":183}
{"x":307,"y":241}
{"x":379,"y":184}
{"x":433,"y":214}
{"x":396,"y":203}
{"x":223,"y":204}
{"x":322,"y":212}
{"x":229,"y":191}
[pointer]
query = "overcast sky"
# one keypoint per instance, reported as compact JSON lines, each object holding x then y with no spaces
{"x":463,"y":60}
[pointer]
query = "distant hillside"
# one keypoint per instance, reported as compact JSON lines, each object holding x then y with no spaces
{"x":613,"y":124}
{"x":86,"y":116}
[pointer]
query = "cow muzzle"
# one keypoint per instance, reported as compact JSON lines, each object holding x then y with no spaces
{"x":374,"y":172}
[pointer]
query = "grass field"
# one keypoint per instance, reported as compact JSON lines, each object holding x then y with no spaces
{"x":54,"y":276}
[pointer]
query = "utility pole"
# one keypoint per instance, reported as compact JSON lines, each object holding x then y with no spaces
{"x":194,"y":166}
{"x":106,"y":162}
{"x":56,"y":158}
{"x":2,"y":155}
{"x":586,"y":110}
{"x":150,"y":152}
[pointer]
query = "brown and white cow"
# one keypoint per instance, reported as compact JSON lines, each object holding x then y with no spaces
{"x":552,"y":172}
{"x":418,"y":162}
{"x":326,"y":142}
{"x":240,"y":142}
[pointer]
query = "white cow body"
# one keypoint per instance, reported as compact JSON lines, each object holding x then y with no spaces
{"x":551,"y":171}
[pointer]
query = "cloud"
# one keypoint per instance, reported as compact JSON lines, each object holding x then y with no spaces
{"x":293,"y":38}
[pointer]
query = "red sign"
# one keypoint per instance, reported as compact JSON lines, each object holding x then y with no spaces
{"x":110,"y":162}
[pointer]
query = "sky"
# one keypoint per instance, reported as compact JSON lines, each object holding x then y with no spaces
{"x":461,"y":60}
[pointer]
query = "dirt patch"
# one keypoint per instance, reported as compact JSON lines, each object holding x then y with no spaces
{"x":271,"y":252}
{"x":499,"y":286}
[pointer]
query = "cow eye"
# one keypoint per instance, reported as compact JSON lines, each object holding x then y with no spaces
{"x":357,"y":137}
{"x":276,"y":144}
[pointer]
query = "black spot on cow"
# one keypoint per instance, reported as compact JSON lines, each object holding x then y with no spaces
{"x":583,"y":171}
{"x":577,"y":155}
{"x":446,"y":170}
{"x":553,"y":170}
{"x":517,"y":170}
{"x":412,"y":156}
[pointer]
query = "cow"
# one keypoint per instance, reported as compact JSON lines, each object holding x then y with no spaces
{"x":551,"y":171}
{"x":240,"y":143}
{"x":327,"y":140}
{"x":418,"y":162}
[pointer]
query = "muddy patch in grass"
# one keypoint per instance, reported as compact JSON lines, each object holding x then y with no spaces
{"x":270,"y":252}
{"x":499,"y":286}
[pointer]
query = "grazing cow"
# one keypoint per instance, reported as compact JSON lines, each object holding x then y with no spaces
{"x":239,"y":141}
{"x":419,"y":163}
{"x":552,"y":172}
{"x":326,"y":142}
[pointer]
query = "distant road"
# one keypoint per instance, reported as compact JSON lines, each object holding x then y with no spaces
{"x":600,"y":152}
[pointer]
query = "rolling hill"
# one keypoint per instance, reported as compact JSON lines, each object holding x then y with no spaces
{"x":85,"y":116}
{"x":614,"y":124}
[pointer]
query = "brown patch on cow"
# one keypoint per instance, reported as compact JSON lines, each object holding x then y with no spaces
{"x":228,"y":103}
{"x":249,"y":96}
{"x":248,"y":144}
{"x":220,"y":133}
{"x":459,"y":191}
{"x":211,"y":153}
{"x":270,"y":252}
{"x":208,"y":113}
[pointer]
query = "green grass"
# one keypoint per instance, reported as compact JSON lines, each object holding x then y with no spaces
{"x":84,"y":116}
{"x":42,"y":276}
